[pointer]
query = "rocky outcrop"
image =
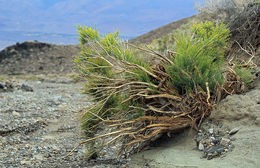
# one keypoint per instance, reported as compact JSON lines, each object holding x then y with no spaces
{"x":37,"y":58}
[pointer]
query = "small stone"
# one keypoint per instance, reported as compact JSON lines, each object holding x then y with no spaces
{"x":216,"y":149}
{"x":47,"y":155}
{"x":26,"y":88}
{"x":25,"y":162}
{"x":225,"y":141}
{"x":209,"y":157}
{"x":215,"y":141}
{"x":257,"y":121}
{"x":16,"y":113}
{"x":201,"y":146}
{"x":220,"y":149}
{"x":233,"y":131}
{"x":231,"y":147}
{"x":211,"y":130}
{"x":220,"y":125}
{"x":2,"y":85}
{"x":212,"y":138}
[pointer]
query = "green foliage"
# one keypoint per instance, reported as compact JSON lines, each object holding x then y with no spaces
{"x":112,"y":66}
{"x":87,"y":34}
{"x":163,"y":44}
{"x":98,"y":52}
{"x":100,"y":61}
{"x":102,"y":109}
{"x":244,"y":73}
{"x":125,"y":87}
{"x":109,"y":107}
{"x":199,"y":57}
{"x":90,"y":60}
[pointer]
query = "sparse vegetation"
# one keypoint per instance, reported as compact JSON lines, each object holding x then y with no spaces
{"x":244,"y":73}
{"x":243,"y":25}
{"x":141,"y":101}
{"x":242,"y":16}
{"x":138,"y":98}
{"x":226,"y":8}
{"x":199,"y":58}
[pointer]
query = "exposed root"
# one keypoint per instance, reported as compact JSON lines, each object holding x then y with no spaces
{"x":141,"y":102}
{"x":188,"y":110}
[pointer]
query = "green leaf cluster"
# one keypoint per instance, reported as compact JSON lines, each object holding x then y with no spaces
{"x":166,"y":43}
{"x":199,"y":57}
{"x":100,"y":52}
{"x":101,"y":60}
{"x":198,"y":60}
{"x":244,"y":73}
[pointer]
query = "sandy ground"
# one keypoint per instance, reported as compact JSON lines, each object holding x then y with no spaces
{"x":38,"y":128}
{"x":236,"y":111}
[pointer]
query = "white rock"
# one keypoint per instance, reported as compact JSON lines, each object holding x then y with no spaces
{"x":201,"y":146}
{"x":16,"y":113}
{"x":211,"y":130}
{"x":25,"y":162}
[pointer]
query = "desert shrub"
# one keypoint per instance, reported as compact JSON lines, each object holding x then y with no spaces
{"x":103,"y":60}
{"x":226,"y":8}
{"x":140,"y":100}
{"x":99,"y":53}
{"x":242,"y":16}
{"x":165,"y":44}
{"x":199,"y":57}
{"x":244,"y":27}
{"x":243,"y":19}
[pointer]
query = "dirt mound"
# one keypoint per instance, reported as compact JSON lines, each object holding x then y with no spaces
{"x":37,"y":58}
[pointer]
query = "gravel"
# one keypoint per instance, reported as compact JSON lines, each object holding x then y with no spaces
{"x":39,"y":124}
{"x":214,"y":139}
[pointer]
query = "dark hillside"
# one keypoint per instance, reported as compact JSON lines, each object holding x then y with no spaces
{"x":37,"y":58}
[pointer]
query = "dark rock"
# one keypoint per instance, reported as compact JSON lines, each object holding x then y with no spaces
{"x":2,"y":85}
{"x":6,"y":87}
{"x":26,"y":88}
{"x":215,"y":141}
{"x":216,"y":150}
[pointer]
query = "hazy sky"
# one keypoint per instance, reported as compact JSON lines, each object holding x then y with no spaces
{"x":131,"y":17}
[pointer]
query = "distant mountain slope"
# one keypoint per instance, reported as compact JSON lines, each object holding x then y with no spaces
{"x":161,"y":31}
